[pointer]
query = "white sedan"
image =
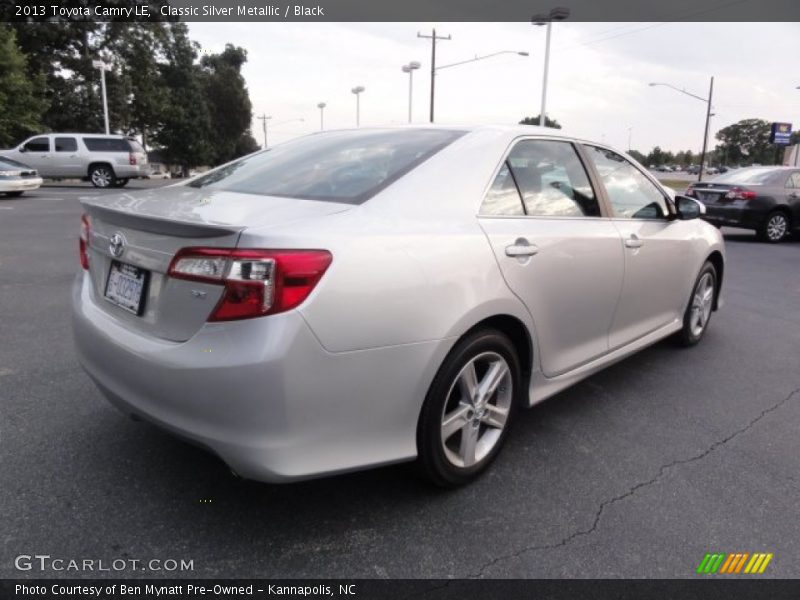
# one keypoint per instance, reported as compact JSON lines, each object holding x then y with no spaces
{"x":364,"y":297}
{"x":17,"y":178}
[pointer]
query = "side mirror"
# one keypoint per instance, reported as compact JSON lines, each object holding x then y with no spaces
{"x":23,"y":149}
{"x":689,"y":208}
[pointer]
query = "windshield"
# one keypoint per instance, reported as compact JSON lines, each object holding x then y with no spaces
{"x":753,"y":176}
{"x":342,"y":166}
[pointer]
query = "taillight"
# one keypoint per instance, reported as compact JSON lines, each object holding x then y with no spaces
{"x":132,"y":158}
{"x":83,"y":241}
{"x":257,"y":282}
{"x":738,"y":193}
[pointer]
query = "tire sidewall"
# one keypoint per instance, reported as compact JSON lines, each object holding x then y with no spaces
{"x":687,"y":337}
{"x":765,"y":228}
{"x":429,"y":438}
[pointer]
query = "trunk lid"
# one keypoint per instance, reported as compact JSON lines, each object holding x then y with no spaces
{"x":153,"y":225}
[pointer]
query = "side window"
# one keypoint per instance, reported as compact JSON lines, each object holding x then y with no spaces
{"x":503,"y":197}
{"x":632,"y":195}
{"x":552,"y":180}
{"x":106,"y":144}
{"x":65,"y":144}
{"x":794,"y":180}
{"x":40,"y":144}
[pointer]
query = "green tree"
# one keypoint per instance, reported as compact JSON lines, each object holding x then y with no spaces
{"x":746,"y":142}
{"x":228,"y":103}
{"x":548,"y":122}
{"x":638,"y":156}
{"x":20,"y":107}
{"x":185,"y":134}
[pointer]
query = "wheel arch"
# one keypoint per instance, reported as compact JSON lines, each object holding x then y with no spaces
{"x":520,"y":337}
{"x":715,"y":258}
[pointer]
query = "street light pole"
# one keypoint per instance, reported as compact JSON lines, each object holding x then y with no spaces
{"x":433,"y":38}
{"x":630,"y":129}
{"x":321,"y":106}
{"x":357,"y":91}
{"x":99,"y":64}
{"x":410,"y":68}
{"x":555,"y":14}
{"x":708,"y":101}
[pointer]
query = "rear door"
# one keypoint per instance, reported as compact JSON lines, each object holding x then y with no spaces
{"x":658,"y":249}
{"x":556,"y":252}
{"x":65,"y":157}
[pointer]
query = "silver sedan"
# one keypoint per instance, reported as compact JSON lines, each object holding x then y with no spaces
{"x":365,"y":297}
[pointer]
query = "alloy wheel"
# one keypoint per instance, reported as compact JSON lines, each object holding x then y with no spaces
{"x":101,"y":177}
{"x":777,"y":227}
{"x":476,"y":409}
{"x":702,"y":302}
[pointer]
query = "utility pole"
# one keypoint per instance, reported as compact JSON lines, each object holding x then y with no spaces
{"x":433,"y":38}
{"x":99,"y":64}
{"x":705,"y":135}
{"x":264,"y":118}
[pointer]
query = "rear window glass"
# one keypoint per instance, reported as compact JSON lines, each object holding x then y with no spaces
{"x":342,"y":166}
{"x":107,"y":144}
{"x":747,"y":176}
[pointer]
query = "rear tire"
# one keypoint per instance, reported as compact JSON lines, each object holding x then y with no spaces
{"x":469,"y":408}
{"x":775,"y":228}
{"x":102,"y":176}
{"x":701,"y":305}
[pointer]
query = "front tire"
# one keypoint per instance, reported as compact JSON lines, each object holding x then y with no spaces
{"x":775,"y":227}
{"x":469,"y":408}
{"x":14,"y":194}
{"x":701,"y":305}
{"x":102,"y":176}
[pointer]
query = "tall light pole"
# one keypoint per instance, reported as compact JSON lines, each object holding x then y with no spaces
{"x":321,"y":106}
{"x":264,"y":118}
{"x":474,"y":59}
{"x":433,"y":38}
{"x":99,"y":64}
{"x":410,"y":68}
{"x":357,"y":91}
{"x":630,"y":130}
{"x":707,"y":101}
{"x":555,"y":14}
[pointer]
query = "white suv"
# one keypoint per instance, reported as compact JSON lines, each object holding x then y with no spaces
{"x":105,"y":160}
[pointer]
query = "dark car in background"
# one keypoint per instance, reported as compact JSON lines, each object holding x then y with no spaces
{"x":764,"y":199}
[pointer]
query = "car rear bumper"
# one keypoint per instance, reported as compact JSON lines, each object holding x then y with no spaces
{"x":20,"y":185}
{"x":263,"y":394}
{"x":733,"y":216}
{"x":131,"y":171}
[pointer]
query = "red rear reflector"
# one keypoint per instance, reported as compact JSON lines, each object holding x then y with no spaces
{"x":257,"y":282}
{"x":83,"y":241}
{"x":132,"y":158}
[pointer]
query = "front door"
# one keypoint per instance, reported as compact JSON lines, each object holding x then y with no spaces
{"x":658,"y":249}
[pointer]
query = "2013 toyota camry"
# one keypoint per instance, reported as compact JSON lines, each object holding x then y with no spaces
{"x":358,"y":298}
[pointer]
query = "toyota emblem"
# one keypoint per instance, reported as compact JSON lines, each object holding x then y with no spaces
{"x":116,"y":245}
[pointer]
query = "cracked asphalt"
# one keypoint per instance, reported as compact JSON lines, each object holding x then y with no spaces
{"x":635,"y":472}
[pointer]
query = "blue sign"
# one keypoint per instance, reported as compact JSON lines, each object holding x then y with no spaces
{"x":781,"y":133}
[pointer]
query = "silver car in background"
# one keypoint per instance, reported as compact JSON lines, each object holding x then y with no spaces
{"x":365,"y":297}
{"x":105,"y":160}
{"x":17,"y":178}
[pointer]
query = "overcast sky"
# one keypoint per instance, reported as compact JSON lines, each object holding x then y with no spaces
{"x":598,"y":75}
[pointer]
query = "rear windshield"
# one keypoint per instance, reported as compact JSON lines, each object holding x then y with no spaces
{"x":747,"y":176}
{"x":342,"y":166}
{"x":107,"y":144}
{"x":7,"y":162}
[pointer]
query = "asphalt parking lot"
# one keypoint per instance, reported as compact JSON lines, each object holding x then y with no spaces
{"x":635,"y":472}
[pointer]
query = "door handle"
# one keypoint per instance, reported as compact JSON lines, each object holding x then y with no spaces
{"x":633,"y":241}
{"x":521,"y":248}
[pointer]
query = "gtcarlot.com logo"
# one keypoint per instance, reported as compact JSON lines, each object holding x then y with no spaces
{"x":734,"y":563}
{"x":45,"y":562}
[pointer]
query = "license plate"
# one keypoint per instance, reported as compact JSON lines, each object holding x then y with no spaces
{"x":125,"y":286}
